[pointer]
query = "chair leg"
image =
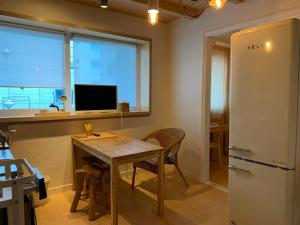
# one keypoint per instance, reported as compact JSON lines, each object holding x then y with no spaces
{"x":181,"y":174}
{"x":86,"y":185}
{"x":92,"y":200}
{"x":220,"y":156}
{"x":108,"y":192}
{"x":133,"y":176}
{"x":107,"y":188}
{"x":79,"y":188}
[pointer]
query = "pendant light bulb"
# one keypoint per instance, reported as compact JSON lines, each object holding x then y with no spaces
{"x":153,"y":12}
{"x":153,"y":16}
{"x":104,"y":4}
{"x":217,"y":4}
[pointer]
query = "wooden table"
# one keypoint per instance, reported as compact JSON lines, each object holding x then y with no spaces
{"x":116,"y":151}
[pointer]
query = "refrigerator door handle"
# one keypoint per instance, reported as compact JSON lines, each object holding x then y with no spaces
{"x":234,"y":168}
{"x":237,"y":149}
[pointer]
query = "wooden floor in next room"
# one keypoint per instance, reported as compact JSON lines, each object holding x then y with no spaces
{"x":198,"y":204}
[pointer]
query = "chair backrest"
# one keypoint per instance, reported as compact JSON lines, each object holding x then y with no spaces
{"x":215,"y":135}
{"x":168,"y":138}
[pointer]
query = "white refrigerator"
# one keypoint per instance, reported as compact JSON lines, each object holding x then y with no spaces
{"x":264,"y":163}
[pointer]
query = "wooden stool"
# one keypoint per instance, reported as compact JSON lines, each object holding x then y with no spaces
{"x":92,"y":160}
{"x":92,"y":181}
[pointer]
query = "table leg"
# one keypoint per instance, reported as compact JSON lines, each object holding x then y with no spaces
{"x":75,"y":166}
{"x":160,"y":188}
{"x":114,"y":176}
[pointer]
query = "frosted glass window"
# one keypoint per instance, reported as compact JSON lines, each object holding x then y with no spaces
{"x":97,"y":61}
{"x":30,"y":58}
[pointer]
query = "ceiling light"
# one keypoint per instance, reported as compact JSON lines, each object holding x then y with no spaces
{"x":268,"y":45}
{"x":104,"y":4}
{"x":217,"y":4}
{"x":153,"y":12}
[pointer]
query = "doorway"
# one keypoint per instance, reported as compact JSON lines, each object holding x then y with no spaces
{"x":219,"y":110}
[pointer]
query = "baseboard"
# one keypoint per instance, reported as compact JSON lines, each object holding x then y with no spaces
{"x":68,"y":187}
{"x":187,"y":174}
{"x":59,"y":189}
{"x":126,"y":173}
{"x":191,"y":176}
{"x":217,"y":186}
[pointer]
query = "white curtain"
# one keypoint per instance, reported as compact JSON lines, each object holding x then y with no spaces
{"x":219,"y":80}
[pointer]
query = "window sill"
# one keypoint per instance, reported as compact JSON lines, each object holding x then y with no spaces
{"x":72,"y":116}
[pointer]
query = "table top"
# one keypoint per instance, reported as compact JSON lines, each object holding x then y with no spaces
{"x":117,"y":147}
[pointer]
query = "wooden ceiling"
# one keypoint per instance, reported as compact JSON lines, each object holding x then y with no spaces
{"x":170,"y":9}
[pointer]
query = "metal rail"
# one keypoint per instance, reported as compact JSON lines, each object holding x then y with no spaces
{"x":19,"y":178}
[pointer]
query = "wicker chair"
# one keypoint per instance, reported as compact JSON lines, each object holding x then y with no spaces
{"x":170,"y":139}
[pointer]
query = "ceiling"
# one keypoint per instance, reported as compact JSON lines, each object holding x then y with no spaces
{"x":170,"y":9}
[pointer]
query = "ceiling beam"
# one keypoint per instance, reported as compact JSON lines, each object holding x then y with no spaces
{"x":114,"y":9}
{"x":174,"y":9}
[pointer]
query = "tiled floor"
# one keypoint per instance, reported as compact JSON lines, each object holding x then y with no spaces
{"x":197,"y":205}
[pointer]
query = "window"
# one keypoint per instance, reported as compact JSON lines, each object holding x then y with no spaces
{"x":100,"y":61}
{"x":35,"y":72}
{"x":31,"y":68}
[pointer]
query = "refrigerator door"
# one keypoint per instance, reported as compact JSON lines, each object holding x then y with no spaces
{"x":260,"y":195}
{"x":263,"y":98}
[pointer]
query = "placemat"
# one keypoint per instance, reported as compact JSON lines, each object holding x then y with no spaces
{"x":103,"y":135}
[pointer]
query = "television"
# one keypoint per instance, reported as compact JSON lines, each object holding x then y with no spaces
{"x":95,"y":97}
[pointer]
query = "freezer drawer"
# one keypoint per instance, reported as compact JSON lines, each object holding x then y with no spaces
{"x":260,"y":195}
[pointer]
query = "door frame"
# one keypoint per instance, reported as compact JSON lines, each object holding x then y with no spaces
{"x":208,"y":38}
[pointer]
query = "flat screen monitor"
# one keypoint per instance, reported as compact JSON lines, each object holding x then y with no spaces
{"x":95,"y":97}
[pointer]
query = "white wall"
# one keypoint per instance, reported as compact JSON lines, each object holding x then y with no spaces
{"x":185,"y":92}
{"x":177,"y":78}
{"x":48,"y":145}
